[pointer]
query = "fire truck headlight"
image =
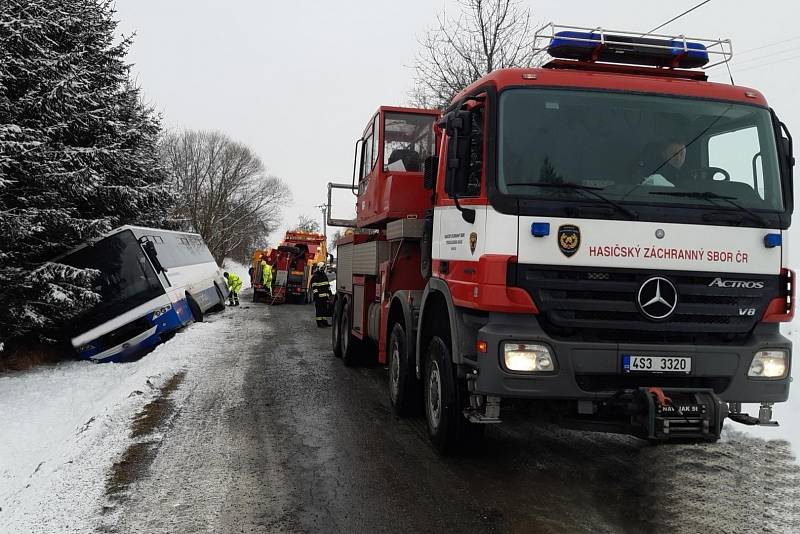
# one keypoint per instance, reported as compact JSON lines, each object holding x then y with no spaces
{"x":528,"y":358}
{"x":769,"y":364}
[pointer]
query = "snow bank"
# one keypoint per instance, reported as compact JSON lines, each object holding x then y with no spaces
{"x":63,"y":426}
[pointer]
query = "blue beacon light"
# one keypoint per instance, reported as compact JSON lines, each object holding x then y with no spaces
{"x":540,"y":229}
{"x":772,"y":240}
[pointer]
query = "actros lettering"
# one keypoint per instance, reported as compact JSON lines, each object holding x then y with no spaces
{"x":746,"y":284}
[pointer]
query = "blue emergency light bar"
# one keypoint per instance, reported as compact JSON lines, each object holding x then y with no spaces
{"x":590,"y":46}
{"x":596,"y":44}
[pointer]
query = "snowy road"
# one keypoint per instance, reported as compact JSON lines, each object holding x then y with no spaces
{"x":262,"y":430}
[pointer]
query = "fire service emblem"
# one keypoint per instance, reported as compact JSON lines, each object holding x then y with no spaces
{"x":473,"y":242}
{"x":569,"y":239}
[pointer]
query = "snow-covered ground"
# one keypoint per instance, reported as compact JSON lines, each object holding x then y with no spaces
{"x":62,"y":427}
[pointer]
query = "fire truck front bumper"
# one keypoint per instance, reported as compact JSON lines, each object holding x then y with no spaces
{"x":522,"y":361}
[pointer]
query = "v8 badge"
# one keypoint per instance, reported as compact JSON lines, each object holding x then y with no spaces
{"x":569,"y":239}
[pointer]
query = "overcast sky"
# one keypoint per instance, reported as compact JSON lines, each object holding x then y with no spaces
{"x":297,"y":81}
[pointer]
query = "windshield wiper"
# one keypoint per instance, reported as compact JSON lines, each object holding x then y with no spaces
{"x":710,"y":196}
{"x":583,"y":189}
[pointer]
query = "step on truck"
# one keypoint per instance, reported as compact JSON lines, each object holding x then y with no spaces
{"x":604,"y":237}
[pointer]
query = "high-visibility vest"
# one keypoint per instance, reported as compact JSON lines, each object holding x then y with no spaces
{"x":234,"y":282}
{"x":266,"y":273}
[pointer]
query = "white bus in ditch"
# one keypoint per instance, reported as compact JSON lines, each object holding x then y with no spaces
{"x":151,"y":283}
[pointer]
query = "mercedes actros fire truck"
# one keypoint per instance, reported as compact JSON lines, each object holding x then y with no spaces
{"x":604,"y":237}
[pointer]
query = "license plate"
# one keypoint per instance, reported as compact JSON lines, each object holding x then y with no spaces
{"x":656,"y":364}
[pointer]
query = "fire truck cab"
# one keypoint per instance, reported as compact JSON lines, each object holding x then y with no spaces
{"x":603,"y":237}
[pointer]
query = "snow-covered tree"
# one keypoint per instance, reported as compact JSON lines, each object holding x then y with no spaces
{"x":78,"y":153}
{"x":306,"y":223}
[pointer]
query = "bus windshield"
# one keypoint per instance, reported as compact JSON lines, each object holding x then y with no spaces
{"x":126,"y":277}
{"x":641,"y":149}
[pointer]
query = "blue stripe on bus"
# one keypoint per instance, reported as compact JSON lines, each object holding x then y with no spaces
{"x":126,"y":354}
{"x":180,"y":315}
{"x":184,"y":313}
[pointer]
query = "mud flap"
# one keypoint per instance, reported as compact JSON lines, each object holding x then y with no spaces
{"x":679,"y":413}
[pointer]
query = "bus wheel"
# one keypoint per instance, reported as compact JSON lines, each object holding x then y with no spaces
{"x":403,"y":385}
{"x":197,"y":313}
{"x":336,"y":335}
{"x":448,"y":429}
{"x":350,"y":344}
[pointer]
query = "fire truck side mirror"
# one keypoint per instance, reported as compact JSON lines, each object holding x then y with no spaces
{"x":458,"y":127}
{"x":787,"y":150}
{"x":431,"y":169}
{"x":786,"y":145}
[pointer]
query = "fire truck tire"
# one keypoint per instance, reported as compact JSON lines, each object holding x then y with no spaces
{"x":404,"y":390}
{"x":336,"y":338}
{"x":444,"y":400}
{"x":351,"y":345}
{"x":197,"y":313}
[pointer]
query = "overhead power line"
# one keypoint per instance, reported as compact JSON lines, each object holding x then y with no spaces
{"x":768,"y":45}
{"x":747,"y":62}
{"x":673,"y":19}
{"x":769,"y":63}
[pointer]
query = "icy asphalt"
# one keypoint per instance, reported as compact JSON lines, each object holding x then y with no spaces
{"x":268,"y":432}
{"x":274,"y":434}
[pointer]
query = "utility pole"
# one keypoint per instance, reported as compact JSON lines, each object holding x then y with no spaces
{"x":324,"y":209}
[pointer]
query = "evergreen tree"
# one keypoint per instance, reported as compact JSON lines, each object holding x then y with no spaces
{"x":78,"y":154}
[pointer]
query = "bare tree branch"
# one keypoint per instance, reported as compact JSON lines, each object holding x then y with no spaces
{"x":306,"y":223}
{"x":225,"y":194}
{"x":487,"y":35}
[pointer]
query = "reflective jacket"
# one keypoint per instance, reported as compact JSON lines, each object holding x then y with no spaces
{"x":266,"y":274}
{"x":234,"y":282}
{"x":321,"y":286}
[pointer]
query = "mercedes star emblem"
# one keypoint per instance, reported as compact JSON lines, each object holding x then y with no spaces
{"x":657,"y":298}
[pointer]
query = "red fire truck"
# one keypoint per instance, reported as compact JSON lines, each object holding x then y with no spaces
{"x":603,"y":237}
{"x":291,"y":262}
{"x":302,"y":250}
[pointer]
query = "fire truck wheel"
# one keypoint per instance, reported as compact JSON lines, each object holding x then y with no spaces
{"x":350,"y":344}
{"x":197,"y":313}
{"x":403,"y":386}
{"x":448,"y":429}
{"x":336,"y":338}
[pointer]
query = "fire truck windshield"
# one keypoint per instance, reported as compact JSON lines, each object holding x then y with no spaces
{"x":629,"y":146}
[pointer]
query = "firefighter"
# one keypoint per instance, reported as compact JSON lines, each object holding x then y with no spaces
{"x":266,"y":275}
{"x":321,"y":288}
{"x":234,"y":286}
